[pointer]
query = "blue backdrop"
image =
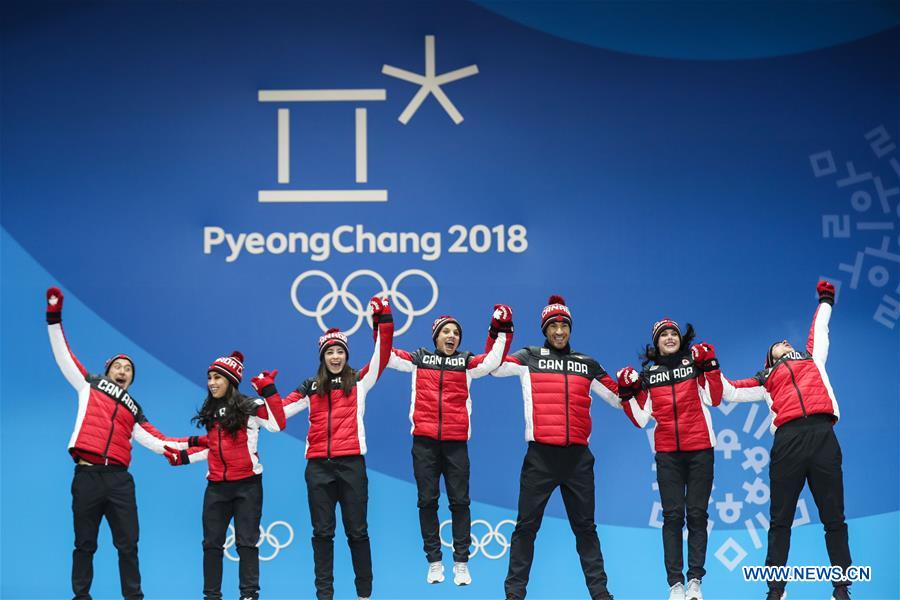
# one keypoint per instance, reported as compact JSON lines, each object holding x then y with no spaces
{"x":189,"y":172}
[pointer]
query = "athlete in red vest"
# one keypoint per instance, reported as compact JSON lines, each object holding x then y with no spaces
{"x":805,"y":450}
{"x":439,"y":412}
{"x":556,"y":384}
{"x":108,"y":419}
{"x":677,"y":384}
{"x":234,"y":489}
{"x":336,"y":445}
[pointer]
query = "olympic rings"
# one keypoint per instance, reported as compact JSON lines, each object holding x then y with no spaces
{"x":401,"y":302}
{"x":265,"y":535}
{"x":493,"y":534}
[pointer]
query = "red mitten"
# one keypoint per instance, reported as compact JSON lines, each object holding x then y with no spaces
{"x":176,"y":457}
{"x":54,"y":305}
{"x":629,"y":381}
{"x":501,"y":320}
{"x":826,"y":292}
{"x":704,"y":356}
{"x":381,"y":313}
{"x":264,"y":383}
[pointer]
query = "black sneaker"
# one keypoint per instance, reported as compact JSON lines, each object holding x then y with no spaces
{"x":841,"y":592}
{"x":775,"y":595}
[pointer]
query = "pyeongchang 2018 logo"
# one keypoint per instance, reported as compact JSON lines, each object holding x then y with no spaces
{"x":430,"y":84}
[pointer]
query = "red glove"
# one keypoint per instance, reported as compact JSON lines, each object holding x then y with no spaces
{"x":501,"y":320}
{"x":264,"y":383}
{"x":176,"y":457}
{"x":381,"y":313}
{"x":826,"y":292}
{"x":54,"y":305}
{"x":629,"y":382}
{"x":704,"y":356}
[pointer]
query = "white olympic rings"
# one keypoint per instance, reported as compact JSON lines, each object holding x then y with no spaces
{"x":400,"y":301}
{"x":265,"y":535}
{"x":492,"y":534}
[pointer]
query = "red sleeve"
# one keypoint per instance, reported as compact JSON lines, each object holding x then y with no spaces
{"x":384,"y":341}
{"x":714,"y":379}
{"x":277,"y":405}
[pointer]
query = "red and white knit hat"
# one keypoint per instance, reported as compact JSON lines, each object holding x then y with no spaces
{"x":333,"y":337}
{"x":555,"y":311}
{"x":662,"y":325}
{"x":229,"y":367}
{"x":439,"y":324}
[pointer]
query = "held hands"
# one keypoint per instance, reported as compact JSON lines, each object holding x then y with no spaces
{"x":381,"y":313}
{"x":264,"y":383}
{"x":704,"y":356}
{"x":501,"y":320}
{"x":826,"y":292}
{"x":629,"y":383}
{"x":54,"y":305}
{"x":175,"y":457}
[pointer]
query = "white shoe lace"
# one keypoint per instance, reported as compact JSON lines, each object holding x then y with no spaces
{"x":461,"y":575}
{"x":435,"y":572}
{"x":676,"y":592}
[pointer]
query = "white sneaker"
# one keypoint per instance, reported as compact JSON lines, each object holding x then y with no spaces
{"x":676,"y":592}
{"x":693,"y":590}
{"x":461,"y":575}
{"x":435,"y":573}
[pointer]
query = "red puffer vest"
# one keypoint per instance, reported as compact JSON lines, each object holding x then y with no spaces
{"x":673,"y":394}
{"x":557,"y":387}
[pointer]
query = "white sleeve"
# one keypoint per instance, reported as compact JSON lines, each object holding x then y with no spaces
{"x":730,"y":393}
{"x":68,"y":364}
{"x":492,"y":359}
{"x":642,"y":415}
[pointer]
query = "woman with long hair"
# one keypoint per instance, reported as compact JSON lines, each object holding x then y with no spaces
{"x":232,"y":422}
{"x":336,"y":445}
{"x":677,"y":384}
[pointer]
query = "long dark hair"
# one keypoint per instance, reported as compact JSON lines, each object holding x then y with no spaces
{"x":235,"y":417}
{"x":324,"y":376}
{"x":651,"y":353}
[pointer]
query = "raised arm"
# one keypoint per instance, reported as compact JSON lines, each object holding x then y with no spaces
{"x":743,"y":390}
{"x":817,"y":343}
{"x":71,"y":368}
{"x":499,"y":340}
{"x":270,"y":414}
{"x":709,"y":382}
{"x":401,"y":360}
{"x":383,"y":331}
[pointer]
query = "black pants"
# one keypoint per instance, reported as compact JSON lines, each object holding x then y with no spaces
{"x":241,"y":500}
{"x":806,"y":450}
{"x":344,"y":480}
{"x":104,"y":491}
{"x":571,"y":468}
{"x":685,"y":482}
{"x":431,"y":459}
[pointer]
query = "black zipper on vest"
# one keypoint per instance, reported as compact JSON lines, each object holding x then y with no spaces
{"x":566,"y":379}
{"x":675,"y":414}
{"x":328,"y":428}
{"x":221,"y":455}
{"x":112,"y":429}
{"x":441,"y":401}
{"x":796,"y":387}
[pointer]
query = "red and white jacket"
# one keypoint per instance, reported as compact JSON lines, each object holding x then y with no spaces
{"x":797,"y":385}
{"x":108,"y":417}
{"x":336,"y":420}
{"x":441,"y":403}
{"x":235,"y":457}
{"x":677,"y":397}
{"x":556,"y":388}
